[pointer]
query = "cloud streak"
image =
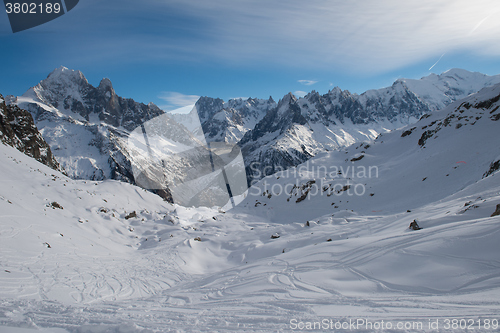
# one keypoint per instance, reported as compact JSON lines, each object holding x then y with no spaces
{"x":307,"y":82}
{"x":358,"y":35}
{"x":350,"y":36}
{"x":299,"y":93}
{"x":176,"y":100}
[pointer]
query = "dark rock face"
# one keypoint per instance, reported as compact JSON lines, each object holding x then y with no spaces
{"x":17,"y":129}
{"x":275,"y":124}
{"x":497,"y":211}
{"x":494,"y":166}
{"x":207,"y":107}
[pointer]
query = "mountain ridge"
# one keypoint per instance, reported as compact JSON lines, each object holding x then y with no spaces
{"x":440,"y":155}
{"x":88,"y":126}
{"x":339,"y":118}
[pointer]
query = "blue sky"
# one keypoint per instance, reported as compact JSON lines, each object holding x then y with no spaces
{"x":171,"y":51}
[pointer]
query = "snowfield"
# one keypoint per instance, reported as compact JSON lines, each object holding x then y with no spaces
{"x":84,"y":256}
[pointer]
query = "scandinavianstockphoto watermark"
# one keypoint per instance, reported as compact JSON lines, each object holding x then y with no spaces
{"x":332,"y":180}
{"x":364,"y":324}
{"x":314,"y":171}
{"x":354,"y":324}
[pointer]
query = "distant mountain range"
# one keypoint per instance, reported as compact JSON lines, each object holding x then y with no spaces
{"x":294,"y":130}
{"x":448,"y":154}
{"x":88,"y":127}
{"x":84,"y":125}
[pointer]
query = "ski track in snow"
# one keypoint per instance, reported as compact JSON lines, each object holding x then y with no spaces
{"x":266,"y":293}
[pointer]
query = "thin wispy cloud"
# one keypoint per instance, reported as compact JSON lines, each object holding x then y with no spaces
{"x":478,"y":25}
{"x":354,"y":35}
{"x":299,"y":93}
{"x":206,"y":44}
{"x":307,"y":82}
{"x":176,"y":101}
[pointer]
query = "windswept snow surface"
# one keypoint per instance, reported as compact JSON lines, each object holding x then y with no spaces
{"x":95,"y":267}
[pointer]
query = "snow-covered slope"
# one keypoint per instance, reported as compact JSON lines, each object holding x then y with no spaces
{"x":54,"y":229}
{"x":299,"y":129}
{"x":270,"y":264}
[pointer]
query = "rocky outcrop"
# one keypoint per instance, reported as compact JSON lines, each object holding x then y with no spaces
{"x":414,"y":225}
{"x":497,"y":211}
{"x":17,"y":129}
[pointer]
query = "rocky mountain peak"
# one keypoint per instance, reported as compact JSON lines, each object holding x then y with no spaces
{"x":287,"y":99}
{"x":96,"y":117}
{"x":335,"y":90}
{"x":63,"y":74}
{"x":286,"y":104}
{"x":106,"y":85}
{"x":313,"y":96}
{"x":206,"y":107}
{"x":69,"y":92}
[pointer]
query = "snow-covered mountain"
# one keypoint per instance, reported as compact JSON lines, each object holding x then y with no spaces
{"x":438,"y":91}
{"x":88,"y":127}
{"x":298,"y":129}
{"x":226,"y":121}
{"x":435,"y":158}
{"x":326,"y":242}
{"x":73,"y":96}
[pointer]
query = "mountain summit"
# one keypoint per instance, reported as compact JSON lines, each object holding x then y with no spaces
{"x":87,"y":127}
{"x":72,"y":95}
